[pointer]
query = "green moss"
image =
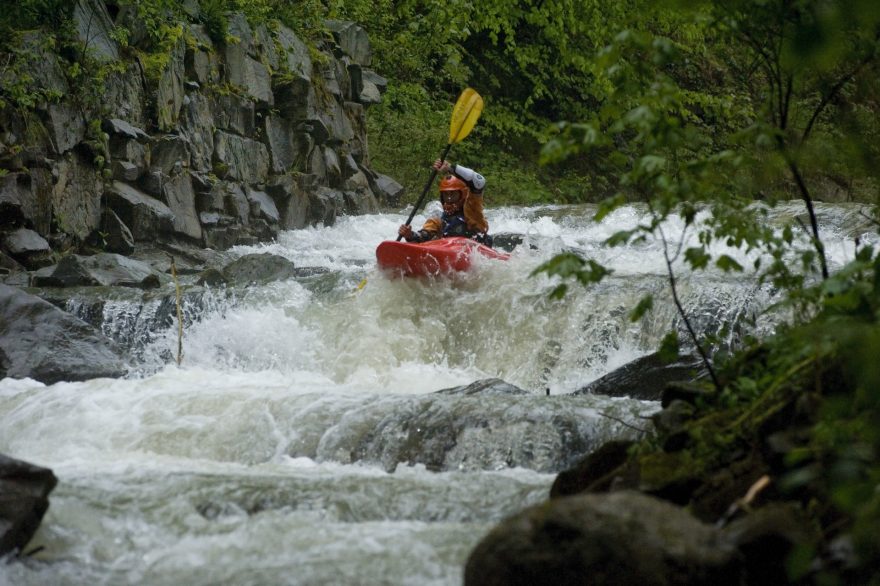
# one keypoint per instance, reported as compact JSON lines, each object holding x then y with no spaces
{"x":661,"y":469}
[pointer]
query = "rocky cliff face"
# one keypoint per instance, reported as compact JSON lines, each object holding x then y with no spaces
{"x":219,"y":144}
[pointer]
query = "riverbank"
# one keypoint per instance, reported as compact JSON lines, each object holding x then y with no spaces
{"x":771,"y":478}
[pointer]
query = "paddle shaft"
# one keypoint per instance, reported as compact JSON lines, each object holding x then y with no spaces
{"x":425,"y":190}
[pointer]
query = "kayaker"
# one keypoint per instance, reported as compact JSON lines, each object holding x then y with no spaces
{"x":461,"y":194}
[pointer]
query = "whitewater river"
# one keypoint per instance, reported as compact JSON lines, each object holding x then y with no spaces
{"x":302,"y":440}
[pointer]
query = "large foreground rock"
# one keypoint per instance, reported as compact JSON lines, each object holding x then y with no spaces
{"x":40,"y":341}
{"x":24,"y":492}
{"x":618,"y":538}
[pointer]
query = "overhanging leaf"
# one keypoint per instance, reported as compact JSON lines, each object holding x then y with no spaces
{"x":727,"y":264}
{"x":668,"y":351}
{"x":645,"y":305}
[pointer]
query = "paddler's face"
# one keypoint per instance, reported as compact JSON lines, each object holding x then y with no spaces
{"x":452,"y":201}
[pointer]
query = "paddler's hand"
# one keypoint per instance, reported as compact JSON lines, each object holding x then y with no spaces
{"x":405,"y":230}
{"x":442,"y":166}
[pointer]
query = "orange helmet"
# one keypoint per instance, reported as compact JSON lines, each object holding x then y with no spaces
{"x":453,"y":183}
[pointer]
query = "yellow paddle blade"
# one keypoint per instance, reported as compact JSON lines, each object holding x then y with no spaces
{"x":465,"y":114}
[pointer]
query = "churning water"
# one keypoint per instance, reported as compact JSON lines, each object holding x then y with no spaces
{"x":302,"y":441}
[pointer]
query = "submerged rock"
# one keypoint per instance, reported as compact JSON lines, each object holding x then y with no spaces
{"x":24,"y":492}
{"x":487,"y":425}
{"x":489,"y":386}
{"x":49,"y":345}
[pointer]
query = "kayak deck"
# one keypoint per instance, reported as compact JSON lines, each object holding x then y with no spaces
{"x":432,"y":257}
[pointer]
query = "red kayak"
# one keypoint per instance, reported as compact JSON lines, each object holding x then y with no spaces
{"x":433,"y":257}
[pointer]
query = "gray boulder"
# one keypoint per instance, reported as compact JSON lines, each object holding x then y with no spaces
{"x":105,"y":269}
{"x":125,"y":171}
{"x":325,"y":205}
{"x":118,"y":127}
{"x":130,"y":150}
{"x":28,"y":248}
{"x":263,"y":206}
{"x":369,"y":94}
{"x":353,"y":40}
{"x":386,"y":189}
{"x":258,"y":268}
{"x":617,"y":538}
{"x":381,"y":83}
{"x":49,"y":345}
{"x":360,"y":202}
{"x":24,"y":499}
{"x":291,"y":200}
{"x":645,"y":377}
{"x":145,"y":216}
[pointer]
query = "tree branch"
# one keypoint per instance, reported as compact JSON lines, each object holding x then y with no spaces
{"x":678,"y":305}
{"x":836,"y":89}
{"x":814,"y":223}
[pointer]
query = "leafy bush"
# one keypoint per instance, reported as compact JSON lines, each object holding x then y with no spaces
{"x":27,"y":14}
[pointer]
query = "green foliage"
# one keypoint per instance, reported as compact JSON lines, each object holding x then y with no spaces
{"x":411,"y":131}
{"x":572,"y":266}
{"x":681,"y":149}
{"x":644,"y":305}
{"x":669,"y":347}
{"x":28,"y":14}
{"x":215,"y":20}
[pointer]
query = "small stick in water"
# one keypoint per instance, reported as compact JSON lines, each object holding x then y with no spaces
{"x":179,"y":313}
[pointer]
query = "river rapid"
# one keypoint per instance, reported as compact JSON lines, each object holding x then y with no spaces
{"x":302,"y":441}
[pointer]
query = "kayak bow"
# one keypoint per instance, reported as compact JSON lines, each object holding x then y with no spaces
{"x":432,"y":257}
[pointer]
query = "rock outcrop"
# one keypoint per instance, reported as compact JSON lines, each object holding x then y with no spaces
{"x":211,"y":143}
{"x":24,"y":492}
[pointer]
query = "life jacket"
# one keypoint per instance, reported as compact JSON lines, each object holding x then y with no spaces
{"x":469,"y":222}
